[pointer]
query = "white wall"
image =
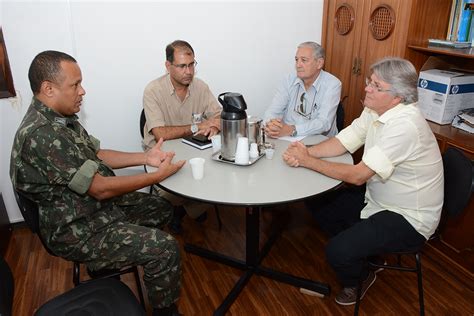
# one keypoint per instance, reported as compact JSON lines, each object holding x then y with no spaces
{"x":245,"y":47}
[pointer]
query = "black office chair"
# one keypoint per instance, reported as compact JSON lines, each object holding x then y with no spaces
{"x":142,"y":122}
{"x":30,"y":212}
{"x":142,"y":126}
{"x":142,"y":132}
{"x":340,"y":116}
{"x":458,"y":188}
{"x":458,"y":181}
{"x":96,"y":298}
{"x":7,"y":286}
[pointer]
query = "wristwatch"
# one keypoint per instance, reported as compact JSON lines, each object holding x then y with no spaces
{"x":194,"y":128}
{"x":293,"y":134}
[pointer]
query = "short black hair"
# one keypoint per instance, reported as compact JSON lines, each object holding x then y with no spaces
{"x":46,"y":66}
{"x":178,"y":44}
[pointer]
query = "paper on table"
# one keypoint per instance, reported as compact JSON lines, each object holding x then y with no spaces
{"x":291,"y":138}
{"x":458,"y":122}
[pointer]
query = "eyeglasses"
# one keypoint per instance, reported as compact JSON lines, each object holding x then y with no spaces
{"x":302,"y":104}
{"x":302,"y":108}
{"x":190,"y":66}
{"x":369,"y":83}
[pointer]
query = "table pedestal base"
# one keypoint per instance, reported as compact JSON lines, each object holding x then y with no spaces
{"x":252,"y":264}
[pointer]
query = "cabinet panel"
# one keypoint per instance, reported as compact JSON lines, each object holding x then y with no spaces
{"x":349,"y":56}
{"x":458,"y":232}
{"x":342,"y":58}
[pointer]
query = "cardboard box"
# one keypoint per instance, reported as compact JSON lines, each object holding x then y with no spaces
{"x":443,"y":93}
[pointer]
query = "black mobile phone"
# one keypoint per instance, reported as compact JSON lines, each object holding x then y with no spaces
{"x":201,"y":138}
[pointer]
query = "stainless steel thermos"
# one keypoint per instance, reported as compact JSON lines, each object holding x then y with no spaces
{"x":233,"y":122}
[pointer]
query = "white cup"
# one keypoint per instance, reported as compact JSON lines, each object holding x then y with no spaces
{"x":269,"y":153}
{"x":242,"y":151}
{"x":216,"y":143}
{"x":197,"y":167}
{"x":253,"y":150}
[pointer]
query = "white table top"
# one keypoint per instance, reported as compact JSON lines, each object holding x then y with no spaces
{"x":263,"y":183}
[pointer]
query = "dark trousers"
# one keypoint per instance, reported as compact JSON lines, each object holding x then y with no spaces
{"x":354,"y":240}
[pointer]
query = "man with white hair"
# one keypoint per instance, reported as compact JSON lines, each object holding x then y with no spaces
{"x":306,"y":102}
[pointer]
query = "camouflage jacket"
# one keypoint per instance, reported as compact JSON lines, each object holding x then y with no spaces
{"x":53,"y":162}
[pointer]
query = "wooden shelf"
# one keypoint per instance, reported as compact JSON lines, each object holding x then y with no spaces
{"x":448,"y":135}
{"x":446,"y":58}
{"x":456,"y":52}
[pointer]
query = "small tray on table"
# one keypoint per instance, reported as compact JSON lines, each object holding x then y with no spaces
{"x":217,"y":157}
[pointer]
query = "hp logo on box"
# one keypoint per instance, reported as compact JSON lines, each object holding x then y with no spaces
{"x":424,"y":83}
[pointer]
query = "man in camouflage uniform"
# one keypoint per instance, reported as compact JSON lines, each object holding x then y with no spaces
{"x":87,"y":213}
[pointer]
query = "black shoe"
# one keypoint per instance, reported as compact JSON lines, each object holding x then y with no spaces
{"x":171,"y":310}
{"x":201,"y":218}
{"x":175,"y":223}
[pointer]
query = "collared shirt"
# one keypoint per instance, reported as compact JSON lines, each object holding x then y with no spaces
{"x":319,"y":104}
{"x":53,"y":162}
{"x":164,"y":108}
{"x":402,"y":150}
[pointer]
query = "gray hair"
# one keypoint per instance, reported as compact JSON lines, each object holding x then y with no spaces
{"x":401,"y":75}
{"x":318,"y":51}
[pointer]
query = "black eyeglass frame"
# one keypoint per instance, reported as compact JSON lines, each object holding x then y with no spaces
{"x":301,"y":109}
{"x":191,"y":65}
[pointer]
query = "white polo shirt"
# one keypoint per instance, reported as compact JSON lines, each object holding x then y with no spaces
{"x":402,"y":150}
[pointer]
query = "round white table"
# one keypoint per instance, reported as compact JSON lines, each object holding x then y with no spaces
{"x":263,"y":183}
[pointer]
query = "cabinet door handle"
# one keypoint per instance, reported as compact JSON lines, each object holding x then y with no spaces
{"x":354,"y":66}
{"x":359,"y":64}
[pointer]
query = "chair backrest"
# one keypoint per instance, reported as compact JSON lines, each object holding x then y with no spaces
{"x":30,"y":212}
{"x":142,"y":122}
{"x":340,"y":116}
{"x":458,"y":181}
{"x":98,"y":297}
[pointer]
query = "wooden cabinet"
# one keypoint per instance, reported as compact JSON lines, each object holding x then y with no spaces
{"x":352,"y":46}
{"x":356,"y":33}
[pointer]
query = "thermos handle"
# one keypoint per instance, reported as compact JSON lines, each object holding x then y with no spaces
{"x":223,"y":94}
{"x":220,"y":99}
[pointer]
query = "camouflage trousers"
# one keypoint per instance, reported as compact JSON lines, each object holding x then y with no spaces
{"x":136,"y":239}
